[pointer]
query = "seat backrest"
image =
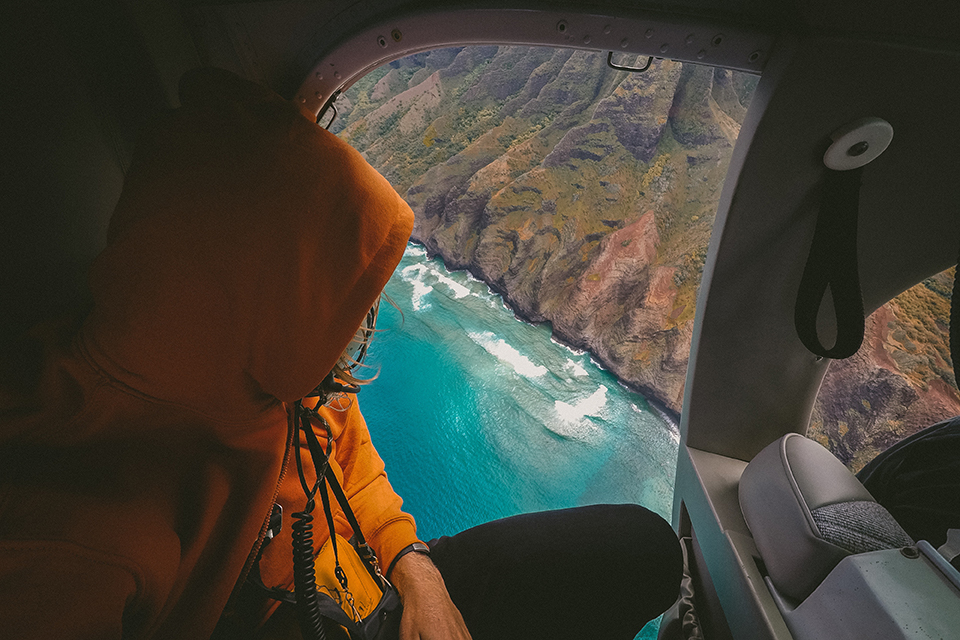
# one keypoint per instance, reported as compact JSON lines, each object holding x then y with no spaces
{"x":807,"y":512}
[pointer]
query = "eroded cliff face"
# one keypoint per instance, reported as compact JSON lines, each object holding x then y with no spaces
{"x":586,"y":197}
{"x":900,"y":380}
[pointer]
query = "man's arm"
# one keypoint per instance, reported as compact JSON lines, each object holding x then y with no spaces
{"x":428,"y":611}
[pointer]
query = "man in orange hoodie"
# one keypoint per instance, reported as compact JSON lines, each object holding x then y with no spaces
{"x":137,"y":480}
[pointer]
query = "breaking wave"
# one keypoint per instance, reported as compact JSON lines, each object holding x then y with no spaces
{"x":478,"y":415}
{"x":508,"y":355}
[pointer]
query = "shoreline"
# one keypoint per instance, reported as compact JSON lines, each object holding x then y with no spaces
{"x":669,"y":416}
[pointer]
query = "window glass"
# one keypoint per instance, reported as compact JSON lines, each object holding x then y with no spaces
{"x":899,"y":382}
{"x":585,"y":198}
{"x":584,"y":195}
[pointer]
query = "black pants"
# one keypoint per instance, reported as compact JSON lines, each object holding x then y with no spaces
{"x":590,"y":573}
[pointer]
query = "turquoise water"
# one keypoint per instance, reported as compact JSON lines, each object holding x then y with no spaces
{"x":480,"y":416}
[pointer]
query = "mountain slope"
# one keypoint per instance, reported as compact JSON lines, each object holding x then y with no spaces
{"x":586,"y":197}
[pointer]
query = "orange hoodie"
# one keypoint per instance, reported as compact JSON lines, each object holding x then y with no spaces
{"x":245,"y":250}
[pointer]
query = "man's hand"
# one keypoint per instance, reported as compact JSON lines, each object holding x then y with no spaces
{"x":428,"y":612}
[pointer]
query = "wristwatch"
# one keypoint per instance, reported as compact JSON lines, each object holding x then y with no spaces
{"x":416,"y":547}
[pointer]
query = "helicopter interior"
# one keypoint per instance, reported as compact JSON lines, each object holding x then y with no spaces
{"x":81,"y":77}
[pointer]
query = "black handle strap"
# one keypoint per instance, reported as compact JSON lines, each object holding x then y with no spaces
{"x":316,"y":612}
{"x":833,"y":263}
{"x":327,"y":476}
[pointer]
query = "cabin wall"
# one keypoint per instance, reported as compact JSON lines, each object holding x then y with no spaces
{"x":79,"y":82}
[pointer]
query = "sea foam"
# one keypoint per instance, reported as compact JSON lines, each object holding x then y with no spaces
{"x":508,"y":355}
{"x":592,"y":405}
{"x":459,"y":291}
{"x":414,"y":275}
{"x":575,"y":369}
{"x":414,"y":250}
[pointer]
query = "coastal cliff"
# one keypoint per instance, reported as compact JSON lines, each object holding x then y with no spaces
{"x":586,"y":196}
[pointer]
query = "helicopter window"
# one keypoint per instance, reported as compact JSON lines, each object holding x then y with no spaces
{"x":899,"y":382}
{"x":584,"y":194}
{"x":583,"y":197}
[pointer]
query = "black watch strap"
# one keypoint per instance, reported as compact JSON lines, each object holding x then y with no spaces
{"x":416,"y":547}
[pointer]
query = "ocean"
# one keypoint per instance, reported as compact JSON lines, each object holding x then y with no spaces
{"x":479,"y":416}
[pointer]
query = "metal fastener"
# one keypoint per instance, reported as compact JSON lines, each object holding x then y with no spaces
{"x":858,"y":149}
{"x":910,"y":552}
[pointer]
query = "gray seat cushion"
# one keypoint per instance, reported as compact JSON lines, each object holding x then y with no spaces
{"x":806,"y":512}
{"x":859,"y":527}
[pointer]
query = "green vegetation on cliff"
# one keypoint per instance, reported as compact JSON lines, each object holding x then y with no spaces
{"x":586,"y":196}
{"x":900,"y":381}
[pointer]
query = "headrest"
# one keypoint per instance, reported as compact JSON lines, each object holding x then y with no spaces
{"x":806,"y":512}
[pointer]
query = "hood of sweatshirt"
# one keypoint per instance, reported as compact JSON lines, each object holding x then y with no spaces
{"x":246,"y":248}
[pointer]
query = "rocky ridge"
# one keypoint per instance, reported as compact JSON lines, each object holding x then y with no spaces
{"x":586,"y":197}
